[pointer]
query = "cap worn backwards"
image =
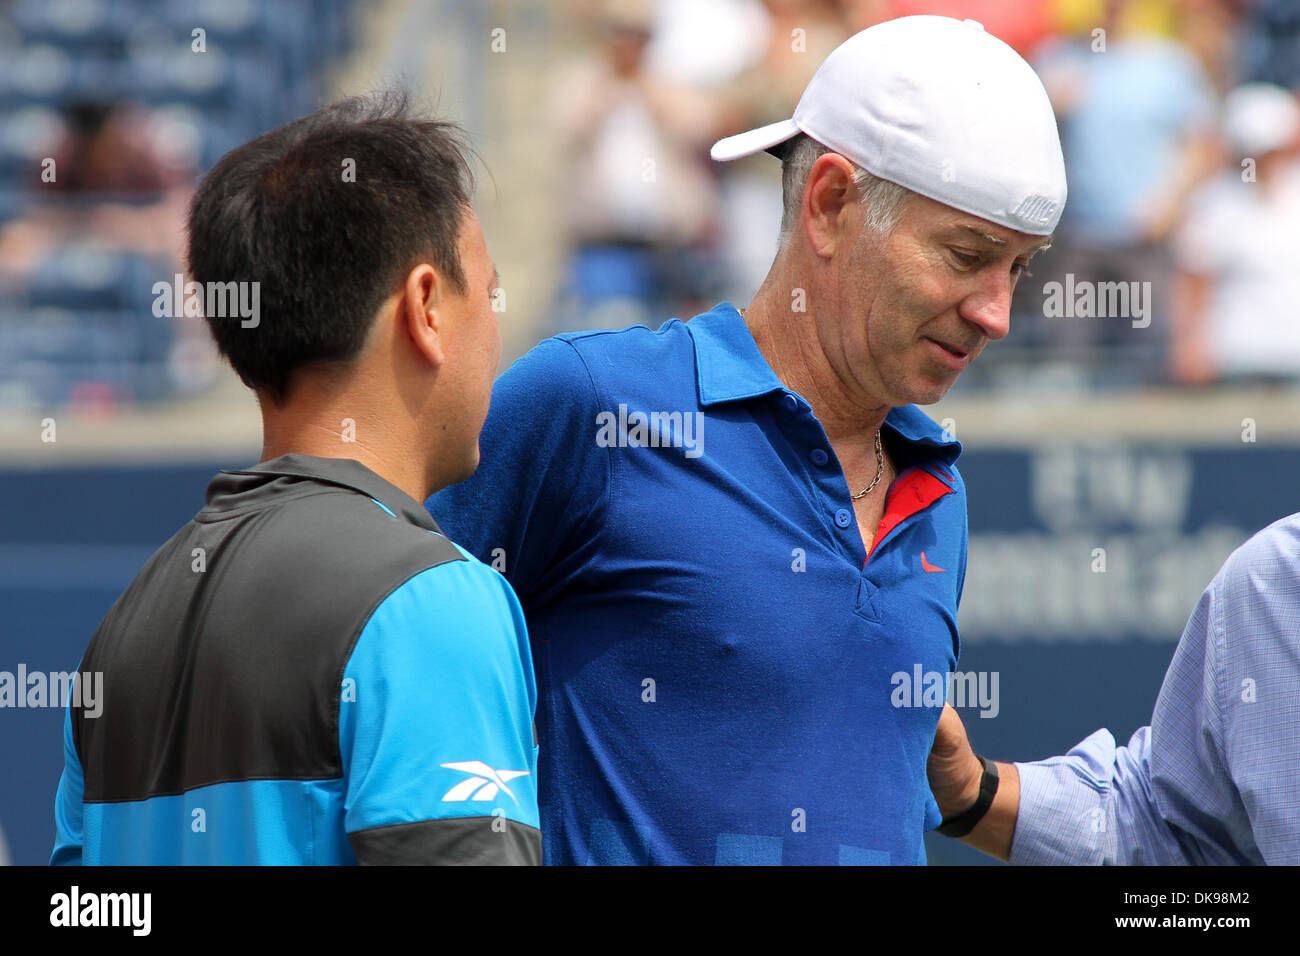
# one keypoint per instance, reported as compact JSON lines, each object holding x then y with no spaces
{"x":941,"y":107}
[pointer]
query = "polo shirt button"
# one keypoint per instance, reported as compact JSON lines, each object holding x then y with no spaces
{"x":791,"y":402}
{"x":818,"y":457}
{"x":843,"y":518}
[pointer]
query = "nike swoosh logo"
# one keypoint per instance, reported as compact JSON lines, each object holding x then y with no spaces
{"x":927,"y":566}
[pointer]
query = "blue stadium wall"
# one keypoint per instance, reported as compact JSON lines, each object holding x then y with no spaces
{"x":1085,"y":562}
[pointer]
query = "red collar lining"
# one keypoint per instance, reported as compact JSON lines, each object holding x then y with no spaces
{"x":913,"y":491}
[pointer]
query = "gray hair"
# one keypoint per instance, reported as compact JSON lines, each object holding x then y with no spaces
{"x":884,"y":200}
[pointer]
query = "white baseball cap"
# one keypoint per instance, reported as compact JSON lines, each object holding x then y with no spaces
{"x":941,"y":107}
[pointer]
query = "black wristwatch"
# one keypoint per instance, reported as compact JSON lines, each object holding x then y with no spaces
{"x":958,"y":827}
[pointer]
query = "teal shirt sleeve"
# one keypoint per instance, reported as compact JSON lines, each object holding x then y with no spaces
{"x":436,"y":725}
{"x":68,"y":837}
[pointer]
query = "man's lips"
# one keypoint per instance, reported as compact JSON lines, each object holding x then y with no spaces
{"x":952,"y":355}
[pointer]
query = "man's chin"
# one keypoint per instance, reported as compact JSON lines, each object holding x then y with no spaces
{"x":928,"y":391}
{"x":932,"y":397}
{"x":471,"y":464}
{"x":468,"y":465}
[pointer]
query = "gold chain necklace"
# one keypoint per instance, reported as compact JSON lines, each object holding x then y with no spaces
{"x":880,"y":469}
{"x":880,"y":457}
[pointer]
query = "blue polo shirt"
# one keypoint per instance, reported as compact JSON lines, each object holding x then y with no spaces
{"x":718,"y":658}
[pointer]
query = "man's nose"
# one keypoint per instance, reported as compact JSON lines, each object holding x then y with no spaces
{"x":989,"y":306}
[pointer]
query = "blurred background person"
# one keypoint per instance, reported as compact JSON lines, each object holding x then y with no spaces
{"x":109,"y":110}
{"x":1238,"y":291}
{"x":796,"y":36}
{"x":1136,"y":110}
{"x":109,"y":177}
{"x":638,"y":203}
{"x":99,"y":218}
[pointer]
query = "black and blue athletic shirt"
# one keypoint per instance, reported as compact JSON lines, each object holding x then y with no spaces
{"x":308,"y":672}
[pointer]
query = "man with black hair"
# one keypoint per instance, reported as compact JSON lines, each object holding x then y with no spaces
{"x":309,"y":672}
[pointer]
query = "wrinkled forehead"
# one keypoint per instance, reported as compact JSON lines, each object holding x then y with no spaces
{"x":943,"y":221}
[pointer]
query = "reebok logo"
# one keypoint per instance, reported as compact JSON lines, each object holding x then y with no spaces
{"x":483,"y":783}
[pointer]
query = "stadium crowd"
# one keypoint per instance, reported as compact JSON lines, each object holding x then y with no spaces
{"x":1178,"y":119}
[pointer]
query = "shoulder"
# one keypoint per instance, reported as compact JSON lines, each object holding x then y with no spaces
{"x":459,"y":589}
{"x":340,"y":533}
{"x":579,"y":369}
{"x":1268,"y":563}
{"x":316,"y":566}
{"x":457,"y":618}
{"x":601,"y":350}
{"x":1251,"y":607}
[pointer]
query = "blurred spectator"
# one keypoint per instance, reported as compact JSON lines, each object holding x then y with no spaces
{"x":108,"y":110}
{"x":1212,"y":31}
{"x":102,"y":220}
{"x":685,"y":47}
{"x":107,"y":182}
{"x":106,"y":149}
{"x":1136,"y":113}
{"x":1238,"y":285}
{"x":798,"y":37}
{"x":1136,"y":17}
{"x":638,"y":204}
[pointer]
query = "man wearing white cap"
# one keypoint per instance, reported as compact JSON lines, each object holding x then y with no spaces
{"x":739,"y":545}
{"x":1237,"y":282}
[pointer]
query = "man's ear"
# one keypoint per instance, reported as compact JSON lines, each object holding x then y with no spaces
{"x":827,"y":198}
{"x":423,"y":295}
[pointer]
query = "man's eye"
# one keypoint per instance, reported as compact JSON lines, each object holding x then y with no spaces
{"x":1020,"y":270}
{"x":965,"y":258}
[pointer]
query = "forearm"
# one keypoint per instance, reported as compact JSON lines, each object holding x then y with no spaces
{"x":996,"y":829}
{"x":1093,"y":805}
{"x":994,"y":833}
